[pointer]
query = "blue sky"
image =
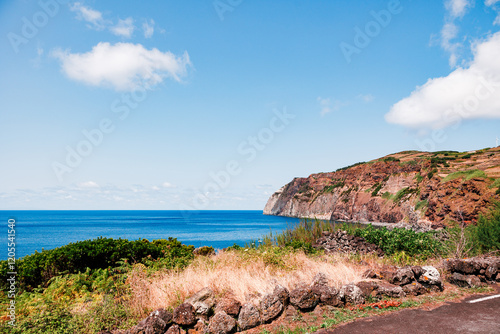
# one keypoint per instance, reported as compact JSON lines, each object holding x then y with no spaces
{"x":217,"y":104}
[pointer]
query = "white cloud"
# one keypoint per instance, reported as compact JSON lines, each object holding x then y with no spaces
{"x":167,"y":185}
{"x":88,"y":184}
{"x":492,"y":3}
{"x":93,"y":17}
{"x":122,"y":66}
{"x":124,"y":28}
{"x":457,"y":8}
{"x":366,"y":97}
{"x":466,"y":93}
{"x":448,"y":33}
{"x":328,"y":105}
{"x":149,"y":28}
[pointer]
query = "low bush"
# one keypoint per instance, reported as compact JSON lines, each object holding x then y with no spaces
{"x":421,"y":245}
{"x":39,"y":268}
{"x":488,"y":230}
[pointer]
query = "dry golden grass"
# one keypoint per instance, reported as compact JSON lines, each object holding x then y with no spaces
{"x":245,"y":275}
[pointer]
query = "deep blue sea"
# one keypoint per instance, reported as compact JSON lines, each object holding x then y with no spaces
{"x":37,"y":230}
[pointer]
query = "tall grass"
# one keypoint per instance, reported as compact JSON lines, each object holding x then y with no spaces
{"x":245,"y":274}
{"x":301,"y":235}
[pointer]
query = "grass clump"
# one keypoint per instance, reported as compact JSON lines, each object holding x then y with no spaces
{"x":331,"y":188}
{"x":466,"y":175}
{"x":404,"y":194}
{"x":421,"y":204}
{"x":375,"y":191}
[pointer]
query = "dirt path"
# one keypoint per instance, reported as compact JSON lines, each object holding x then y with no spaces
{"x":458,"y":317}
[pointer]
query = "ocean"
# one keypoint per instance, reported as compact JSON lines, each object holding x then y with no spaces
{"x":37,"y":230}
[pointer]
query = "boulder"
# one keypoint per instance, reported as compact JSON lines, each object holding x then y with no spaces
{"x":175,"y":329}
{"x":468,"y":266}
{"x":327,"y":295}
{"x":491,"y":271}
{"x":417,"y":271}
{"x":156,"y":323}
{"x":203,"y":301}
{"x":271,"y":307}
{"x":249,"y":317}
{"x":370,"y":273}
{"x":466,"y":281}
{"x":304,"y":298}
{"x":200,"y":328}
{"x":184,"y":315}
{"x":431,"y":276}
{"x":282,"y":293}
{"x":387,"y":275}
{"x":229,"y":305}
{"x":415,"y":289}
{"x":403,"y":276}
{"x":389,"y":290}
{"x":221,"y":323}
{"x":367,"y":287}
{"x":290,"y":312}
{"x":351,"y":294}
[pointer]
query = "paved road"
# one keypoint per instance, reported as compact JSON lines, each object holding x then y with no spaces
{"x":460,"y":317}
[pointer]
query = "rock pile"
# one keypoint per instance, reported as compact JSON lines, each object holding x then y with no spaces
{"x":204,"y":312}
{"x":473,"y":272}
{"x":340,"y":241}
{"x":409,"y":280}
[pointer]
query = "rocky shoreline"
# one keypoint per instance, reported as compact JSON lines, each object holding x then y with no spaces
{"x":418,"y":188}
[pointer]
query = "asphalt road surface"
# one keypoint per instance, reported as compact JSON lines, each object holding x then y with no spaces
{"x":481,"y":316}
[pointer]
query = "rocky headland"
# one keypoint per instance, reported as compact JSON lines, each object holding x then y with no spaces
{"x":415,"y":188}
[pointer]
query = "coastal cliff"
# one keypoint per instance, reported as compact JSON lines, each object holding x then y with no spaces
{"x":424,"y":188}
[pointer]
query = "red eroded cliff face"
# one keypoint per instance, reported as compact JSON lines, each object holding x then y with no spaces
{"x":413,"y":187}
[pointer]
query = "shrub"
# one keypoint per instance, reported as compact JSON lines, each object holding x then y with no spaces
{"x":488,"y":230}
{"x":422,"y":245}
{"x":39,"y":268}
{"x":467,"y":175}
{"x":389,"y":159}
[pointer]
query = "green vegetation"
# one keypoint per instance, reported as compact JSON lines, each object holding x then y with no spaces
{"x":377,"y":186}
{"x":404,"y":194}
{"x":304,"y":188}
{"x":487,"y":231}
{"x":467,"y":175}
{"x":431,"y":173}
{"x":421,"y":204}
{"x":386,"y":195}
{"x":420,"y":245}
{"x":445,"y":153}
{"x":350,"y":166}
{"x":39,"y":268}
{"x":331,"y":188}
{"x":390,"y":159}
